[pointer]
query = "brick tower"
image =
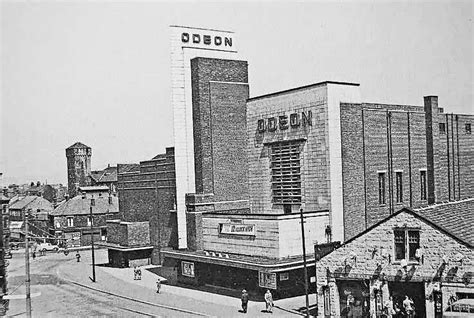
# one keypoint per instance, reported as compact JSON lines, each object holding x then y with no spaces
{"x":78,"y":167}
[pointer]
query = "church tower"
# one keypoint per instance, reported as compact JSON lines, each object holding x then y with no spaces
{"x":78,"y":167}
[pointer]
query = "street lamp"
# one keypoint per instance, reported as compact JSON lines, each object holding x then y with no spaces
{"x":92,"y":241}
{"x":304,"y":264}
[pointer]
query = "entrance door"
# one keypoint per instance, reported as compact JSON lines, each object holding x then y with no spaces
{"x":415,"y":291}
{"x":354,"y":298}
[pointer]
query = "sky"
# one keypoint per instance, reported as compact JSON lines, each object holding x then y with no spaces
{"x":99,"y":71}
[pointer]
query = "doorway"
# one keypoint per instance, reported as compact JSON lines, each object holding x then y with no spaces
{"x":415,"y":291}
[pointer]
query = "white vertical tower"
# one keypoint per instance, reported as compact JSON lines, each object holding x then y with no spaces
{"x":188,"y":43}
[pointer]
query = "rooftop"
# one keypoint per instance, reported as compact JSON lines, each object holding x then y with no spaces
{"x":81,"y":206}
{"x":301,"y":88}
{"x":78,"y":145}
{"x":456,"y":218}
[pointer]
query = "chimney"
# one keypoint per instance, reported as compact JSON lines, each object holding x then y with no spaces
{"x":432,"y":145}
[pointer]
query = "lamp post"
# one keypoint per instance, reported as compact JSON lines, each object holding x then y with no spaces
{"x":92,"y":241}
{"x":27,"y":265}
{"x":304,"y":264}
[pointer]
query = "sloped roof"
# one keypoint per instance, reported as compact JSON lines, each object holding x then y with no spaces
{"x":456,"y":218}
{"x":80,"y":206}
{"x":78,"y":145}
{"x":32,"y":202}
{"x":459,"y":225}
{"x":128,"y":167}
{"x":109,"y":174}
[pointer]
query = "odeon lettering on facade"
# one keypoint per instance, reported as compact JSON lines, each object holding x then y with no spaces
{"x":283,"y":122}
{"x":206,"y":39}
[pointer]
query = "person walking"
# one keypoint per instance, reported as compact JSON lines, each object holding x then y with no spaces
{"x":268,"y":301}
{"x":158,"y":286}
{"x":388,"y":308}
{"x":135,"y":272}
{"x":78,"y":256}
{"x":408,"y":305}
{"x":245,"y":300}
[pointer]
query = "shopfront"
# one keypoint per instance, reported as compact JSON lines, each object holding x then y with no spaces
{"x":354,"y":298}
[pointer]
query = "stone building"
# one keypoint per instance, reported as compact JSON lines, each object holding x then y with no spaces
{"x":78,"y":167}
{"x":72,"y":221}
{"x":426,"y":254}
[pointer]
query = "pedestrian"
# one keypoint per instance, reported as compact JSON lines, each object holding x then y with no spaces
{"x":78,"y":256}
{"x":135,"y":272}
{"x":34,"y":254}
{"x":139,"y":274}
{"x":388,"y":308}
{"x":158,"y":285}
{"x":268,"y":301}
{"x":245,"y":300}
{"x":408,"y":305}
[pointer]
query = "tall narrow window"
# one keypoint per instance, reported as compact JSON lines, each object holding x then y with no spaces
{"x":468,"y":128}
{"x":423,"y":184}
{"x":89,"y":221}
{"x":381,"y":188}
{"x":286,"y":174}
{"x":413,"y":244}
{"x":399,"y":244}
{"x":399,"y":183}
{"x":442,"y":128}
{"x":70,"y":221}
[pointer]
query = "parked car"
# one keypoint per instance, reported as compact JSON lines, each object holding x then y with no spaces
{"x":47,"y":247}
{"x":460,"y":308}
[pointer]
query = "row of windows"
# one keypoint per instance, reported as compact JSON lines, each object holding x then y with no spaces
{"x":442,"y":128}
{"x":399,"y":186}
{"x":70,"y":221}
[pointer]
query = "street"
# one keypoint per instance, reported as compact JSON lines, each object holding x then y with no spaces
{"x":66,"y":290}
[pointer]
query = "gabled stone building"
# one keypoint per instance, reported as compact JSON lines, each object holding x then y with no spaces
{"x":426,"y":254}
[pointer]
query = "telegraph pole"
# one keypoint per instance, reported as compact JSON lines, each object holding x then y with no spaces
{"x":304,"y":264}
{"x":27,"y":265}
{"x":92,"y":242}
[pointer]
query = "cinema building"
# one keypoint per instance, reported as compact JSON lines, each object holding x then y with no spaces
{"x":245,"y":168}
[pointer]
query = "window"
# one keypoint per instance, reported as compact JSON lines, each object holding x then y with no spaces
{"x":399,"y":184}
{"x":284,"y":276}
{"x":187,"y":269}
{"x":442,"y":128}
{"x":468,"y":128}
{"x":422,"y":184}
{"x":89,"y":221}
{"x":70,"y":221}
{"x":381,"y":188}
{"x":406,"y":244}
{"x":286,"y":173}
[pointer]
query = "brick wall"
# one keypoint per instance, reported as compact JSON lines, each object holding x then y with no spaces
{"x":434,"y":244}
{"x":149,"y":195}
{"x":456,"y":158}
{"x":396,"y":138}
{"x":219,"y":93}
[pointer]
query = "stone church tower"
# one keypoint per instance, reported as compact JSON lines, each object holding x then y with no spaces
{"x":78,"y":167}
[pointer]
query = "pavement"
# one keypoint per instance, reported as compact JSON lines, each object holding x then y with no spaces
{"x":120,"y":281}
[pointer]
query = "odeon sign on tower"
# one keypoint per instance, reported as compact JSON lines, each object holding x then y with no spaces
{"x":186,"y":44}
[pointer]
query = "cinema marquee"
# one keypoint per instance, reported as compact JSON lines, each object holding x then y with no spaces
{"x":284,"y":122}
